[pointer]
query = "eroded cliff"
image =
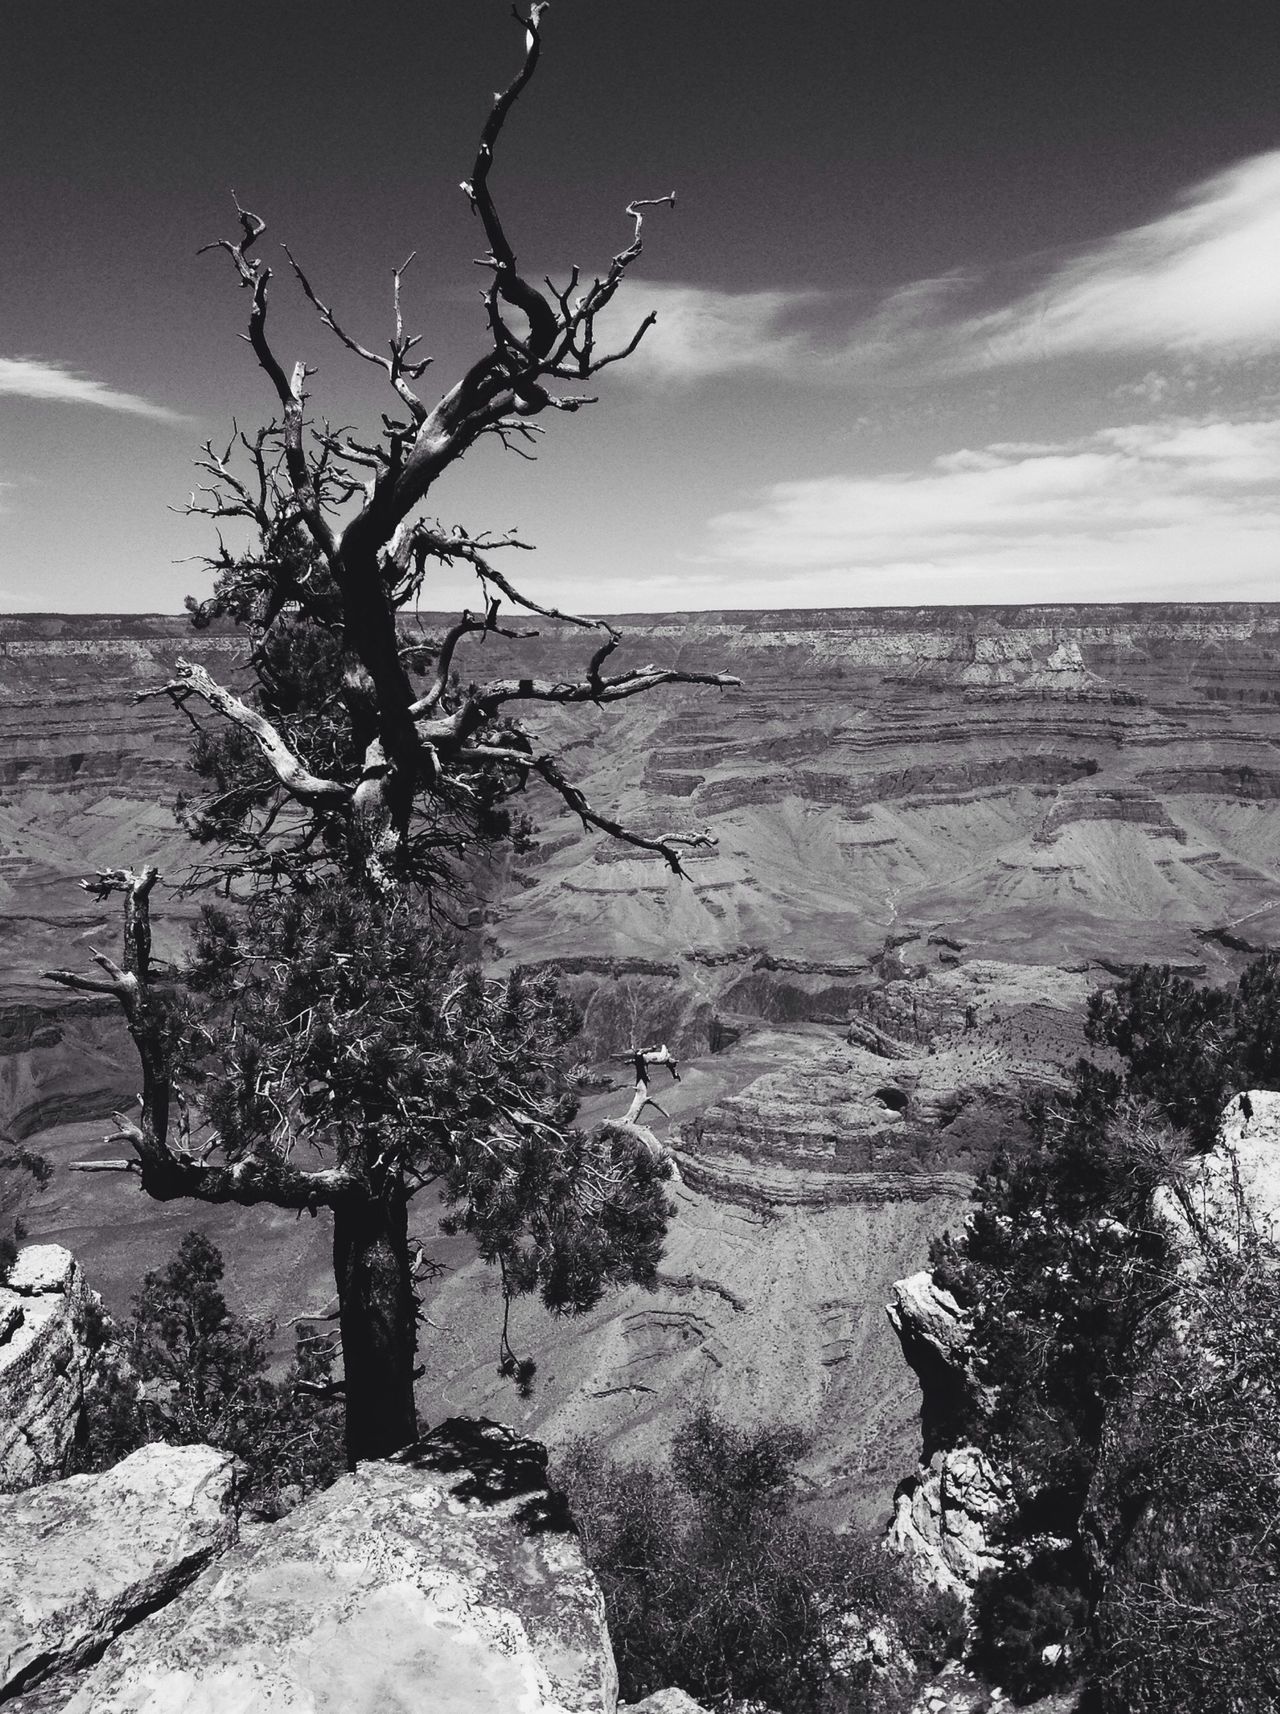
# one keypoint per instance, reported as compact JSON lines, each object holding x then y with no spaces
{"x":937,"y":830}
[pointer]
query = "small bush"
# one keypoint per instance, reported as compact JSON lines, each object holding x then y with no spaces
{"x":714,"y":1583}
{"x":1185,"y":1506}
{"x":1029,"y":1623}
{"x":18,"y":1165}
{"x":187,"y":1371}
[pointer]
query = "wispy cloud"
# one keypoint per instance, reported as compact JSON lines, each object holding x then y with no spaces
{"x":33,"y":378}
{"x":1199,"y":281}
{"x":1180,"y":503}
{"x":702,"y":332}
{"x":786,"y":335}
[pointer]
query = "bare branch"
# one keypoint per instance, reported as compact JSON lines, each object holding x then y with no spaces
{"x":465,"y":626}
{"x":255,"y":276}
{"x":81,"y":984}
{"x":423,"y":543}
{"x":292,"y":773}
{"x":549,"y":769}
{"x":643,"y":1058}
{"x":508,"y":283}
{"x":395,"y":367}
{"x":594,"y":688}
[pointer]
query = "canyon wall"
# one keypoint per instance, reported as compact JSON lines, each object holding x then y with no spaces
{"x":937,"y":830}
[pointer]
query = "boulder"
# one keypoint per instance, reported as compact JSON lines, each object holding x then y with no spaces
{"x":49,"y":1323}
{"x":947,"y":1517}
{"x":664,"y":1702}
{"x":82,"y":1559}
{"x":447,"y":1580}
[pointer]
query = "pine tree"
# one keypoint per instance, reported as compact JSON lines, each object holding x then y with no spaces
{"x":329,"y":1019}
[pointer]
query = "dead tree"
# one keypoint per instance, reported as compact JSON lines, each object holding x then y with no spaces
{"x":642,"y":1058}
{"x":411,"y":744}
{"x":358,"y":758}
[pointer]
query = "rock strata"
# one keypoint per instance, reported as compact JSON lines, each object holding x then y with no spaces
{"x":83,"y":1559}
{"x":446,"y":1581}
{"x":46,"y":1310}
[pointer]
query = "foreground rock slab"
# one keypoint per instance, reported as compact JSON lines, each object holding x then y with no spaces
{"x":82,"y":1559}
{"x":45,"y":1359}
{"x":446,"y":1581}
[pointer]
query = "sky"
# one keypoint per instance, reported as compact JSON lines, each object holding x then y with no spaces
{"x":961,"y":301}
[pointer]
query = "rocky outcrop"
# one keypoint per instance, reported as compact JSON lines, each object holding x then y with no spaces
{"x":933,"y":1332}
{"x":947,"y":1517}
{"x":1128,"y":804}
{"x":923,"y":1006}
{"x":447,"y":1579}
{"x":1231,"y":1193}
{"x":49,"y":1324}
{"x":83,"y":1559}
{"x":664,"y":1702}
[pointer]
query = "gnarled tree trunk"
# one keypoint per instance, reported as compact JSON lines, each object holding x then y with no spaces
{"x":378,"y":1321}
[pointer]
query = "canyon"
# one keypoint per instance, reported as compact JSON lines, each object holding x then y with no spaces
{"x":937,"y":831}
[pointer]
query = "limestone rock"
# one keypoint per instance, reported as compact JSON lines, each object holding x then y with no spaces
{"x":447,"y":1580}
{"x":946,"y":1519}
{"x":82,"y":1559}
{"x":933,"y":1331}
{"x":947,"y":1516}
{"x":45,"y":1361}
{"x":664,"y":1702}
{"x":1236,"y":1185}
{"x":927,"y":1314}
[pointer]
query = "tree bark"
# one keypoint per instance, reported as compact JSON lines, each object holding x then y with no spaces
{"x":378,"y":1320}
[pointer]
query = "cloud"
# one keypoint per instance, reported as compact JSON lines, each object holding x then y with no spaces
{"x":701,"y":332}
{"x":1181,"y":503}
{"x":1197,"y":282}
{"x":1200,"y":279}
{"x":32,"y":378}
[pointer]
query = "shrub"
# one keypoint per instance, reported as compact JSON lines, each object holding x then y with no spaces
{"x":1063,"y":1270}
{"x":715,"y":1584}
{"x":189,"y":1371}
{"x":1029,"y":1621}
{"x":17,"y":1164}
{"x":1185,"y":1506}
{"x":1190,"y":1049}
{"x":1134,"y":1410}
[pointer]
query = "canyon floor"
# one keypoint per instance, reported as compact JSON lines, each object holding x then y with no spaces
{"x":938,"y":830}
